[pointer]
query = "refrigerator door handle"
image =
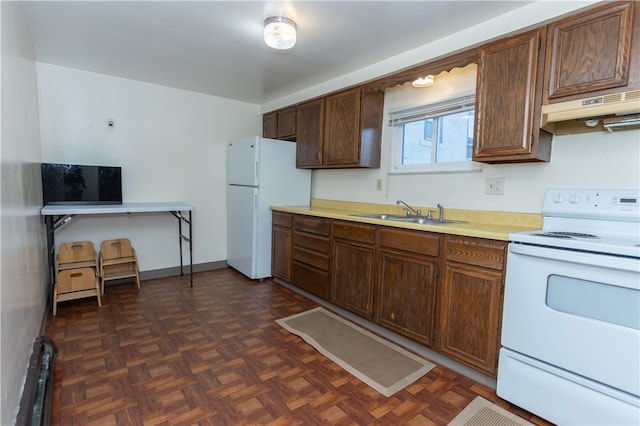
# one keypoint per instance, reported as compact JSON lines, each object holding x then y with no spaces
{"x":255,"y":202}
{"x":257,"y":170}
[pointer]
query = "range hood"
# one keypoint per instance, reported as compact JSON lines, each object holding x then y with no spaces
{"x":620,"y":108}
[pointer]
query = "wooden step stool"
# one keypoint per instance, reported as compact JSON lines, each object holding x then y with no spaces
{"x":76,"y":254}
{"x":118,"y":260}
{"x":75,"y":284}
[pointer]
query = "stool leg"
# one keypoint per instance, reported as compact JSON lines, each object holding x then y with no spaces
{"x":98,"y":292}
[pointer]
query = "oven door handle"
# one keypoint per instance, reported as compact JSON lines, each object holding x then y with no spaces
{"x":561,"y":255}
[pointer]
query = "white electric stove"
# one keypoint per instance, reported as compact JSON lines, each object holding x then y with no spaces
{"x":571,"y":318}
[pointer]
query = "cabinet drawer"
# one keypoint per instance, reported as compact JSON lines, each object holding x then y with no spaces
{"x":354,"y":232}
{"x":310,"y":279}
{"x":416,"y":242}
{"x":311,"y":242}
{"x":312,"y":225}
{"x":315,"y":259}
{"x":476,"y":251}
{"x":282,"y":219}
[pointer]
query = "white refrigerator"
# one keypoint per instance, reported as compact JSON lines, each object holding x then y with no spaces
{"x":261,"y":172}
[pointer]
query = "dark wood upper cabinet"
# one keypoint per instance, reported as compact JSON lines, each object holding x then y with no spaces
{"x":508,"y":101}
{"x":280,"y":124}
{"x":270,"y":125}
{"x":287,"y":123}
{"x":343,"y":130}
{"x":310,"y":134}
{"x":591,"y":52}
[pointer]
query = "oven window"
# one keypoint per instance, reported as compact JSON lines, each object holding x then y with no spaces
{"x":604,"y":302}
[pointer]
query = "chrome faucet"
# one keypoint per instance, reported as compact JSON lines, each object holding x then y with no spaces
{"x":440,"y":212}
{"x":409,"y":208}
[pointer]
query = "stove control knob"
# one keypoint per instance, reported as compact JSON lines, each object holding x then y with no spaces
{"x":574,"y":198}
{"x":558,"y":198}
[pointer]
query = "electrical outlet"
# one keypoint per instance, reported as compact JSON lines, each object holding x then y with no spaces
{"x":378,"y":184}
{"x":494,"y":186}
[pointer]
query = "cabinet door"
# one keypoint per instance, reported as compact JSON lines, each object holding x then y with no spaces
{"x":270,"y":125}
{"x":470,"y":315}
{"x":287,"y":123}
{"x":352,"y":277}
{"x":281,"y":246}
{"x":371,"y":117}
{"x":589,"y":52}
{"x":353,"y":253}
{"x":342,"y":129}
{"x":406,"y":295}
{"x":508,"y":101}
{"x":310,"y":134}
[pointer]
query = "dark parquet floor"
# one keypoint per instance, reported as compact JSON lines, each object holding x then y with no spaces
{"x":213,"y":355}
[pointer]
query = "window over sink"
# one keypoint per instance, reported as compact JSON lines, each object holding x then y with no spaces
{"x":434,"y":133}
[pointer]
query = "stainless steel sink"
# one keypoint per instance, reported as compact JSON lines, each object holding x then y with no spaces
{"x":382,"y":216}
{"x":410,"y":219}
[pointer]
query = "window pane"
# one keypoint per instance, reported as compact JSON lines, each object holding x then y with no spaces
{"x":415,"y":148}
{"x":454,"y":133}
{"x":436,"y":137}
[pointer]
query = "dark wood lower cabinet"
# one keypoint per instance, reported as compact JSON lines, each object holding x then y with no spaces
{"x":352,"y":278}
{"x":313,"y":280}
{"x":407,"y":277}
{"x":393,"y":276}
{"x":471,"y":301}
{"x":281,"y":245}
{"x":353,"y":253}
{"x":469,"y":324}
{"x":310,"y":255}
{"x":406,"y":295}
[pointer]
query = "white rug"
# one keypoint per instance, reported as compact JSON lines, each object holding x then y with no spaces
{"x":385,"y":367}
{"x":481,"y":412}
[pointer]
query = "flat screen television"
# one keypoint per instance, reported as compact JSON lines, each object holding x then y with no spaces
{"x":81,"y":184}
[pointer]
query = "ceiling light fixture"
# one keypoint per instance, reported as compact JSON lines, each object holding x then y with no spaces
{"x":423,"y":81}
{"x":280,"y":32}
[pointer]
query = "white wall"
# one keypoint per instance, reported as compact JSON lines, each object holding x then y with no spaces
{"x":170,"y":143}
{"x":595,"y":160}
{"x":23,"y":280}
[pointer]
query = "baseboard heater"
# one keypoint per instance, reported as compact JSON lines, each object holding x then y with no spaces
{"x":35,"y":404}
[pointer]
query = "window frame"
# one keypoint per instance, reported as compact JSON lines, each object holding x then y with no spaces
{"x":456,"y":103}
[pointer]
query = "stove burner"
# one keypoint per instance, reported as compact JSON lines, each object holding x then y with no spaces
{"x":566,"y":235}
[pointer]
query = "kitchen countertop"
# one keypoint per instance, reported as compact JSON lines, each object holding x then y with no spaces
{"x":478,"y":223}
